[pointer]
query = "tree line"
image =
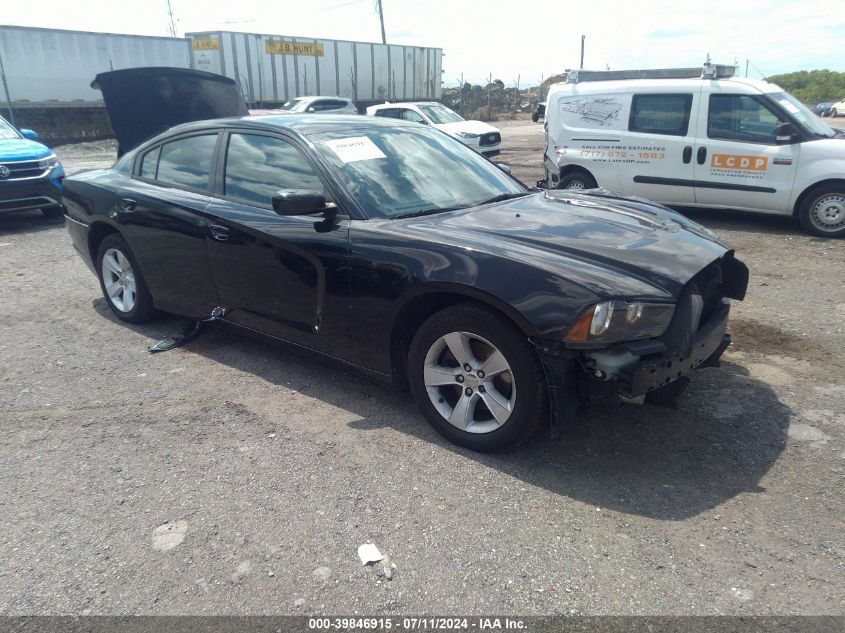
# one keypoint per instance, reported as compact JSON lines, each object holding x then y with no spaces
{"x":812,"y":86}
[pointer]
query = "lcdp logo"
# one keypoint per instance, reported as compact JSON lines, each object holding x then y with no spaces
{"x":737,"y":161}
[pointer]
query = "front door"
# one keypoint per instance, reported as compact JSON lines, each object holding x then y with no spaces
{"x":287,"y":276}
{"x":738,"y":162}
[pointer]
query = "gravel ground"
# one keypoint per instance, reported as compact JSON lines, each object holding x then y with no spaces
{"x":229,"y":477}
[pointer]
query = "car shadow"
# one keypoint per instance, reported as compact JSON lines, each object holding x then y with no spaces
{"x":669,"y":464}
{"x":13,"y":223}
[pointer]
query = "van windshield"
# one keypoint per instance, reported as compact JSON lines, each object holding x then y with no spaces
{"x":803,"y":114}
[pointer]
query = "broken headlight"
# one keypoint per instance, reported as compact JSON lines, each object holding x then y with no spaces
{"x":615,"y":321}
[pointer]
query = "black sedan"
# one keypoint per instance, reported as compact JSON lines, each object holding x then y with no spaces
{"x":393,"y":249}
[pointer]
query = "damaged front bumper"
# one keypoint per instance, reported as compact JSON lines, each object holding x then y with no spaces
{"x":574,"y":378}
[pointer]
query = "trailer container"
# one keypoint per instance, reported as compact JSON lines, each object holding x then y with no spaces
{"x":55,"y":67}
{"x":272,"y":69}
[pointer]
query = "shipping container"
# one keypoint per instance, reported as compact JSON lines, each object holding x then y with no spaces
{"x":51,"y":66}
{"x":272,"y":69}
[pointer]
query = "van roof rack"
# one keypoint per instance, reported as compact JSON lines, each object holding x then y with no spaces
{"x":707,"y":71}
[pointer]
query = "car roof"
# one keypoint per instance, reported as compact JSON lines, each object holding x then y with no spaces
{"x":399,"y":104}
{"x":316,"y":97}
{"x":301,"y":124}
{"x":741,"y":84}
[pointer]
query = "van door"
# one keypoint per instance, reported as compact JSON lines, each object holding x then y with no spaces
{"x":738,"y":163}
{"x":657,"y":156}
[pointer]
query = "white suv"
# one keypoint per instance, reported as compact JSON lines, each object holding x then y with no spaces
{"x":483,"y":138}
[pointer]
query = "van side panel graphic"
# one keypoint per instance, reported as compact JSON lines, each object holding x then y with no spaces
{"x":738,"y":161}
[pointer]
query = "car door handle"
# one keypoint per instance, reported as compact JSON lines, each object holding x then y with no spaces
{"x":687,"y":154}
{"x":702,"y":155}
{"x":219,"y":233}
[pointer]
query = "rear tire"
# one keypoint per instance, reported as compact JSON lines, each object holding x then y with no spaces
{"x":121,"y":281}
{"x":577,"y":180}
{"x":823,"y":212}
{"x":495,"y":404}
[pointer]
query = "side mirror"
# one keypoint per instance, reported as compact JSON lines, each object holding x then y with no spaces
{"x":422,"y":121}
{"x":29,"y":134}
{"x":785,"y":134}
{"x":312,"y":109}
{"x":298,"y":202}
{"x":505,"y":168}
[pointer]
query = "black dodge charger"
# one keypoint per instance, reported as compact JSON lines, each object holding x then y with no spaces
{"x":393,"y":249}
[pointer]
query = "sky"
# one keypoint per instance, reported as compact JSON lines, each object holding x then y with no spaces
{"x":523,"y":41}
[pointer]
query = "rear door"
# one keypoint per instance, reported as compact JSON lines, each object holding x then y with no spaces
{"x":287,"y":276}
{"x":739,"y":163}
{"x":656,"y":158}
{"x":161,"y":215}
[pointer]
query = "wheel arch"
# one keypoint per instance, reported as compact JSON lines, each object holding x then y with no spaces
{"x":576,"y":169}
{"x":96,"y":234}
{"x":809,"y":190}
{"x":421,"y":303}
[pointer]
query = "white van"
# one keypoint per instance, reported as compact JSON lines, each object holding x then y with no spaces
{"x":697,"y":138}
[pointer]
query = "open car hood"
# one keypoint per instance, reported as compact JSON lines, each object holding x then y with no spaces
{"x":143,"y":102}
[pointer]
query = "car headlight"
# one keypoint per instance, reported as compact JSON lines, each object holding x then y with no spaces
{"x":49,"y":162}
{"x":615,"y":321}
{"x":467,"y":135}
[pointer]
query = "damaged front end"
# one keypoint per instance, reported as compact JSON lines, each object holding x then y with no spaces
{"x":583,"y":373}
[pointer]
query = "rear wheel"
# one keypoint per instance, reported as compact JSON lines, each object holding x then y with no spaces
{"x":476,"y":378}
{"x":823,"y":212}
{"x":577,"y":180}
{"x":121,"y":281}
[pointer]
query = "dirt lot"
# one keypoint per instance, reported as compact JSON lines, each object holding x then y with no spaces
{"x":230,"y":477}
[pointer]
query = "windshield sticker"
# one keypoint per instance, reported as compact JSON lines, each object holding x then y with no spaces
{"x":355,"y":148}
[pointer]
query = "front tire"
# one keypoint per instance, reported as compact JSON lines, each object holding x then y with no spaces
{"x":121,"y":281}
{"x":577,"y":180}
{"x":823,"y":212}
{"x":476,"y":378}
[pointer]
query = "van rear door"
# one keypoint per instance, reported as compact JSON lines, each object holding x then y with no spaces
{"x":738,"y":162}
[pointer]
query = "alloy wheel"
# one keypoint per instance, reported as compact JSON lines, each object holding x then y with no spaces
{"x":469,"y":382}
{"x":119,"y":280}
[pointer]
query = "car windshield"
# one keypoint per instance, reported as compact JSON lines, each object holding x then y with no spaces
{"x":439,"y":114}
{"x":296,"y":105}
{"x":803,"y":114}
{"x":404,"y":171}
{"x":7,"y":131}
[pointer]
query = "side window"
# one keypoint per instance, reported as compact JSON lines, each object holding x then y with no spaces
{"x":660,"y":114}
{"x":741,"y":118}
{"x":259,"y":166}
{"x":391,"y":113}
{"x":149,"y":163}
{"x":187,"y":162}
{"x":320,"y":106}
{"x":411,"y":115}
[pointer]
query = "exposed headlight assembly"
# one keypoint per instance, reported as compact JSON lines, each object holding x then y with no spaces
{"x":616,"y":321}
{"x":467,"y":135}
{"x":49,"y":162}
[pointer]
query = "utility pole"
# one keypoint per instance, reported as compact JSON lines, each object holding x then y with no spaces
{"x":583,"y":37}
{"x":172,"y":19}
{"x":381,"y":19}
{"x":746,"y":67}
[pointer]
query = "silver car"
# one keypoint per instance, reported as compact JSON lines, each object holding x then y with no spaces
{"x":335,"y":105}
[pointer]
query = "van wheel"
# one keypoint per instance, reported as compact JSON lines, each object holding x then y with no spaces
{"x":476,"y":378}
{"x":823,"y":212}
{"x":577,"y":180}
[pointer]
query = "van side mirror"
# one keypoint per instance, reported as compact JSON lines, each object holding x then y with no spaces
{"x":29,"y":134}
{"x":298,"y":202}
{"x":786,"y":134}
